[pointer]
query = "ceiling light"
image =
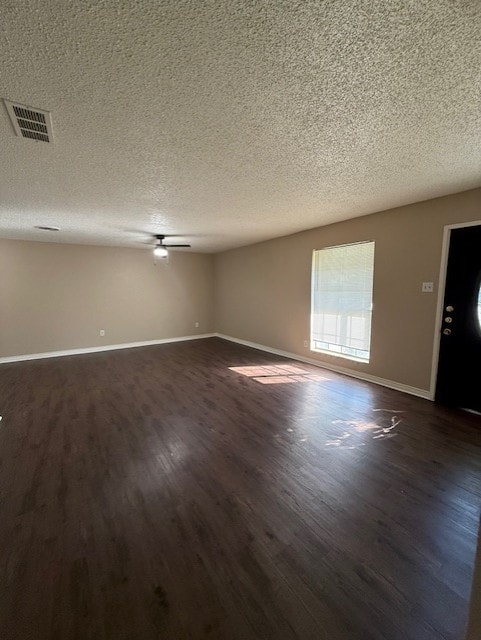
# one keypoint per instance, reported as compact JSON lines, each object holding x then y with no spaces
{"x":160,"y":252}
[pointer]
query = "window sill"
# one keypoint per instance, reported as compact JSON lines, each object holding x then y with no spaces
{"x":344,"y":356}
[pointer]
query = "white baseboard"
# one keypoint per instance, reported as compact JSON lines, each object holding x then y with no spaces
{"x":391,"y":384}
{"x":108,"y":347}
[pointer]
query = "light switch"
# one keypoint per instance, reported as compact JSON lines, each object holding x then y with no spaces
{"x":428,"y":287}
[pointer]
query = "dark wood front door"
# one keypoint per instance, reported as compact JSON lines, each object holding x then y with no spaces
{"x":459,"y":378}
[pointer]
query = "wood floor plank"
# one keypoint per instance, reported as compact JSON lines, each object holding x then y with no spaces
{"x":206,"y":490}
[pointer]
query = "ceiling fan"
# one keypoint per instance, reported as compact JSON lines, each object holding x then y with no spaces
{"x":161,"y":250}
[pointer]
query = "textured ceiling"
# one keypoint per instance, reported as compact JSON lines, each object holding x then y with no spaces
{"x":229,"y":122}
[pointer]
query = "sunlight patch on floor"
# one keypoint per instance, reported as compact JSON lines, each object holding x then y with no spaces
{"x":278,"y":374}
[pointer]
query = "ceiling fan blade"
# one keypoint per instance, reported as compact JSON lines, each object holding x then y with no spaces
{"x":170,"y":246}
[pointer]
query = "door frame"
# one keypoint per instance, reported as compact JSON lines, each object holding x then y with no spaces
{"x":440,"y":303}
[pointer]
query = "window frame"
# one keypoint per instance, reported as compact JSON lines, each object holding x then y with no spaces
{"x":313,"y":341}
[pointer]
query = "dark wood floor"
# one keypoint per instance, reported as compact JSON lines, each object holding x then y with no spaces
{"x":157,"y":493}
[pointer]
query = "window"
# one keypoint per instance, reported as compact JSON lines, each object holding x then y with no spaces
{"x":341,"y":300}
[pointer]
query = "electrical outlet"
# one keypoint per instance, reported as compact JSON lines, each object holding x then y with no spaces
{"x":428,"y":287}
{"x":196,"y":325}
{"x":306,"y":344}
{"x":102,"y":332}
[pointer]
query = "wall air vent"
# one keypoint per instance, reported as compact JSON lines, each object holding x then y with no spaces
{"x":28,"y":122}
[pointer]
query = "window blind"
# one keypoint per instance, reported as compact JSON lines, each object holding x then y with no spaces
{"x":341,"y":304}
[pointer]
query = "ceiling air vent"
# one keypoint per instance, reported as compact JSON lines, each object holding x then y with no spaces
{"x":28,"y":122}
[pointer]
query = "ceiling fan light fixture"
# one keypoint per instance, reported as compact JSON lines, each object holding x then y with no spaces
{"x":160,"y":252}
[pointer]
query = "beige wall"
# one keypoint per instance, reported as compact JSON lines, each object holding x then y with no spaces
{"x":263,"y":290}
{"x":57,"y":296}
